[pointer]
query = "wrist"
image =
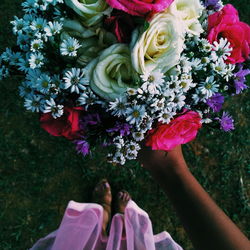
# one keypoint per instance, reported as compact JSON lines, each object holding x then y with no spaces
{"x":171,"y":162}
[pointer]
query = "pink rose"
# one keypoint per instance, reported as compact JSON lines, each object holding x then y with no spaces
{"x":121,"y":24}
{"x":66,"y":125}
{"x":139,"y":7}
{"x":226,"y":23}
{"x":181,"y":130}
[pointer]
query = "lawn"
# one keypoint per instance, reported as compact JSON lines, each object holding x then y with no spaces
{"x":39,"y":173}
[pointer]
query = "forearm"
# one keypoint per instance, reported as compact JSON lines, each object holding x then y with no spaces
{"x":206,"y":224}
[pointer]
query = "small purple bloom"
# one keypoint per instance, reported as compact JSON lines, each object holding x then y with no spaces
{"x":215,"y":102}
{"x":122,"y":128}
{"x":90,"y":119}
{"x":240,"y":78}
{"x":212,"y":4}
{"x":226,"y":122}
{"x":82,"y":147}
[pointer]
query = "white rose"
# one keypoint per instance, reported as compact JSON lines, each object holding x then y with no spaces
{"x":160,"y":46}
{"x":189,"y":11}
{"x":91,"y":12}
{"x":111,"y":73}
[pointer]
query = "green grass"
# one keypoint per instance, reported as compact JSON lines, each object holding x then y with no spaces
{"x":39,"y":173}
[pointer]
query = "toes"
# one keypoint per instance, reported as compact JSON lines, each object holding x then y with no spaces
{"x":124,"y":196}
{"x":106,"y":185}
{"x":127,"y":197}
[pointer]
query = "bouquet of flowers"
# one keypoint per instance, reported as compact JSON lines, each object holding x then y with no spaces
{"x":116,"y":72}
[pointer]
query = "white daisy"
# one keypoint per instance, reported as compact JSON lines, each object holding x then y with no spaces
{"x":119,"y":142}
{"x":53,"y":28}
{"x":56,"y":81}
{"x":51,"y":107}
{"x":23,"y":64}
{"x":6,"y":55}
{"x":118,"y":107}
{"x":133,"y":147}
{"x":33,"y":75}
{"x":26,"y":90}
{"x":15,"y":57}
{"x":30,"y":6}
{"x":4,"y":72}
{"x":23,"y":42}
{"x":198,"y":96}
{"x":87,"y":99}
{"x":196,"y":64}
{"x":209,"y":87}
{"x":38,"y":24}
{"x":205,"y":45}
{"x":36,"y":60}
{"x":168,"y":94}
{"x":36,"y":45}
{"x":174,"y":84}
{"x":206,"y":120}
{"x":69,"y":47}
{"x":138,"y":135}
{"x":44,"y":83}
{"x":135,"y":114}
{"x":205,"y":60}
{"x":166,"y":115}
{"x":43,"y":5}
{"x":34,"y":103}
{"x":179,"y":100}
{"x":152,"y":81}
{"x":157,"y":104}
{"x":229,"y":71}
{"x":19,"y":25}
{"x":185,"y":64}
{"x":221,"y":49}
{"x":186,"y":82}
{"x":119,"y":158}
{"x":131,"y":91}
{"x":75,"y":80}
{"x":145,"y":124}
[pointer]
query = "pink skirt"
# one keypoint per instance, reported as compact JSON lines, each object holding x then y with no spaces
{"x":81,"y":229}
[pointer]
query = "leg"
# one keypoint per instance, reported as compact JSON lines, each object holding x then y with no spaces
{"x":103,"y":196}
{"x":122,"y":200}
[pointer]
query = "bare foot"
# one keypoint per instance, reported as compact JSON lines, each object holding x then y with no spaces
{"x":123,"y":198}
{"x":103,"y":196}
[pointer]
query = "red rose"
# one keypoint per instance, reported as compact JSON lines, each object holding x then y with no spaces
{"x":121,"y":24}
{"x":181,"y":130}
{"x":66,"y":125}
{"x":226,"y":23}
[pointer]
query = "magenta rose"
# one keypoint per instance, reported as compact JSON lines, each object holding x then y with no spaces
{"x":139,"y":7}
{"x":121,"y":24}
{"x":181,"y":130}
{"x":226,"y":23}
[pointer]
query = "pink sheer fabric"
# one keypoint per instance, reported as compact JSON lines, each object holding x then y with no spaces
{"x":81,"y":225}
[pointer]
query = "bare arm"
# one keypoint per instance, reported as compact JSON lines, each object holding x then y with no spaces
{"x":206,"y":224}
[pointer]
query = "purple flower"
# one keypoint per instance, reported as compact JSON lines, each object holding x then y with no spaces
{"x":215,"y":102}
{"x":90,"y":119}
{"x":212,"y":4}
{"x":82,"y":147}
{"x":122,"y":128}
{"x":226,"y":122}
{"x":240,"y":78}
